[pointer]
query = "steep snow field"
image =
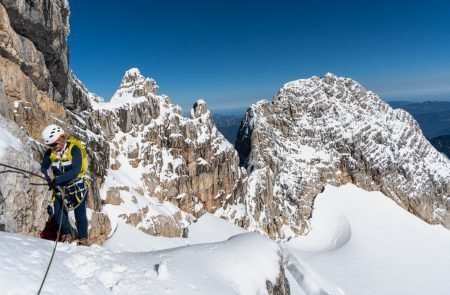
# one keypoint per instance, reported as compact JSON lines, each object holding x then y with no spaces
{"x":360,"y":243}
{"x":363,"y":243}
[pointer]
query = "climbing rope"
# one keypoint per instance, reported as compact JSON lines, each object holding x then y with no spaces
{"x":23,"y":173}
{"x":54,"y":248}
{"x":21,"y":170}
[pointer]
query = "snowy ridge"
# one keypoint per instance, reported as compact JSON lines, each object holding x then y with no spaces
{"x":394,"y":254}
{"x":331,"y":130}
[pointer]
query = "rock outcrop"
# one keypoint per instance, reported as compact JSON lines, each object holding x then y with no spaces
{"x":20,"y":202}
{"x":43,"y":25}
{"x":281,"y":286}
{"x":331,"y":130}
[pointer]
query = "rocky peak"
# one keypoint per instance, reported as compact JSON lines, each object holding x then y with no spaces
{"x":330,"y":130}
{"x":135,"y":85}
{"x":199,"y":109}
{"x":181,"y":162}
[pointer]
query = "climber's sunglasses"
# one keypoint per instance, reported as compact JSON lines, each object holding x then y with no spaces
{"x":55,"y":144}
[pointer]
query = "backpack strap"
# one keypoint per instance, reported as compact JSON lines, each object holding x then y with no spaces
{"x":85,"y":162}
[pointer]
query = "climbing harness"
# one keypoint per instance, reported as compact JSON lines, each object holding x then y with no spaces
{"x":73,"y":194}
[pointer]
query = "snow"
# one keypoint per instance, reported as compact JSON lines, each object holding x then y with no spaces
{"x":209,"y":228}
{"x":364,"y":243}
{"x":359,"y":243}
{"x":130,"y":239}
{"x":7,"y":140}
{"x":233,"y":266}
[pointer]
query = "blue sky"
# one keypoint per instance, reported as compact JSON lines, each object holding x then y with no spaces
{"x":233,"y":53}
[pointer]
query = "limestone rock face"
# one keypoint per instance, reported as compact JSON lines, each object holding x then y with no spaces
{"x":20,"y":202}
{"x":331,"y":130}
{"x":25,"y":79}
{"x":37,"y":89}
{"x":23,"y":53}
{"x":99,"y":228}
{"x":46,"y":24}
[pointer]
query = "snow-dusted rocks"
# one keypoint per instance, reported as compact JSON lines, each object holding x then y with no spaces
{"x":331,"y":130}
{"x":134,"y":85}
{"x":20,"y":202}
{"x":157,"y":153}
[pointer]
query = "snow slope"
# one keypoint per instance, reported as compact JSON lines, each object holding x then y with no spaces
{"x":231,"y":267}
{"x":363,"y":243}
{"x":7,"y":140}
{"x":359,"y":243}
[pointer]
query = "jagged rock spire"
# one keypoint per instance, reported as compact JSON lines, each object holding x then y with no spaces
{"x":133,"y":85}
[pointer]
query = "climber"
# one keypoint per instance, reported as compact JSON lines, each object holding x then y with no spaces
{"x":68,"y":161}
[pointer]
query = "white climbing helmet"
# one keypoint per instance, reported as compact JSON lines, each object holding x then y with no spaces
{"x":51,"y":133}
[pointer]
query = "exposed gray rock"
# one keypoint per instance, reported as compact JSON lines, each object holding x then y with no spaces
{"x":281,"y":286}
{"x":113,"y":196}
{"x":21,"y":203}
{"x":99,"y":228}
{"x":4,"y":104}
{"x":46,"y":24}
{"x":22,"y":52}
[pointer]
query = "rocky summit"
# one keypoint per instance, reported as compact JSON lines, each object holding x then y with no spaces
{"x":183,"y":163}
{"x":330,"y":130}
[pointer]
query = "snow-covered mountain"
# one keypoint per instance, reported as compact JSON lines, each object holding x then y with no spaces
{"x":164,"y":168}
{"x":160,"y":172}
{"x":330,"y":130}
